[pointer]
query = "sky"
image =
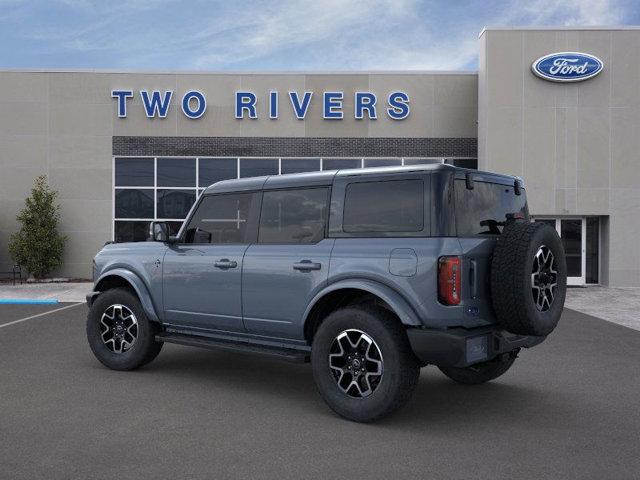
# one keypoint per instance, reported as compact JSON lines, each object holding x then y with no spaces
{"x":280,"y":35}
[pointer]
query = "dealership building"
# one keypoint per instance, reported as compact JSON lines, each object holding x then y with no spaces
{"x":123,"y":149}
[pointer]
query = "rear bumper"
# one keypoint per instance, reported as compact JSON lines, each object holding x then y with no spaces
{"x":461,"y":347}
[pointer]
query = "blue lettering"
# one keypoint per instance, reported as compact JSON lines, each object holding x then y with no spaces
{"x":273,"y":105}
{"x":398,"y":105}
{"x":246,"y":101}
{"x":122,"y":96}
{"x":300,"y":109}
{"x":156,"y":105}
{"x":365,"y":101}
{"x":200,"y":100}
{"x":332,"y":105}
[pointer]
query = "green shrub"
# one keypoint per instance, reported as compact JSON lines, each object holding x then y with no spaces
{"x":37,"y":246}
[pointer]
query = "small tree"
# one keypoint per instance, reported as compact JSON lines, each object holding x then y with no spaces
{"x":38,"y":246}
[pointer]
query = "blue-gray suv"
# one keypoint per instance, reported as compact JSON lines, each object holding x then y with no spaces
{"x":368,"y":274}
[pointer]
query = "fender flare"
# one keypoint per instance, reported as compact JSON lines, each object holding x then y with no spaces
{"x":398,"y":304}
{"x":138,"y":285}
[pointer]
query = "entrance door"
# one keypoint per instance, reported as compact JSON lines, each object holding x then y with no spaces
{"x":572,"y":232}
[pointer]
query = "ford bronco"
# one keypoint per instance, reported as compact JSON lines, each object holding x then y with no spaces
{"x":368,"y":274}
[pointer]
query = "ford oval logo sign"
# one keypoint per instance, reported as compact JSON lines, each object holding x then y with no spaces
{"x":567,"y":66}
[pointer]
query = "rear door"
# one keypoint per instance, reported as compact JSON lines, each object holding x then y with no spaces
{"x":202,"y":275}
{"x":289,"y":263}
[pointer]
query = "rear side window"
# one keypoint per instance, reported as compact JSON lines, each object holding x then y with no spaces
{"x":220,"y":219}
{"x":387,"y":206}
{"x":293,"y":216}
{"x":483,"y":210}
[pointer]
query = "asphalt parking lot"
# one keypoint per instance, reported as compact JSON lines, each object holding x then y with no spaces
{"x":567,"y":409}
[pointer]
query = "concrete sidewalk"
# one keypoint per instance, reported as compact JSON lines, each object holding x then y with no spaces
{"x":63,"y":292}
{"x":614,"y":304}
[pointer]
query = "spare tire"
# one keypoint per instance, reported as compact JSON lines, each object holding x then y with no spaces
{"x":528,"y":278}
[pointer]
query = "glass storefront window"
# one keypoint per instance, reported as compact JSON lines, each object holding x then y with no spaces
{"x":382,"y":162}
{"x":134,"y":172}
{"x":258,"y":167}
{"x":338,"y":163}
{"x":147,"y":189}
{"x":176,"y":172}
{"x":212,"y":170}
{"x":175,"y":204}
{"x":299,"y":165}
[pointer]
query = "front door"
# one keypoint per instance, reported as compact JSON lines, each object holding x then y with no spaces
{"x":290,"y":262}
{"x":202,"y":273}
{"x":572,"y":232}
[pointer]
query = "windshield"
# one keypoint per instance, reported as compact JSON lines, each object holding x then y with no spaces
{"x":484,"y":210}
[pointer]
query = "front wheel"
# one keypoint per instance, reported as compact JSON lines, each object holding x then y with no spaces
{"x":480,"y":372}
{"x":362,"y":363}
{"x":119,"y":333}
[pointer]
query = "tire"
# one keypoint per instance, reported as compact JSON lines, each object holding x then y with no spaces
{"x":379,"y":334}
{"x":479,"y":373}
{"x":112,"y":351}
{"x":528,"y":278}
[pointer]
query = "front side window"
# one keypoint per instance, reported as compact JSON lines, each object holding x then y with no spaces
{"x":293,"y":216}
{"x":385,"y":206}
{"x":484,"y":209}
{"x":220,"y":219}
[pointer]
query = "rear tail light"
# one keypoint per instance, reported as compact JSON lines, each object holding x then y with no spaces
{"x":449,"y":274}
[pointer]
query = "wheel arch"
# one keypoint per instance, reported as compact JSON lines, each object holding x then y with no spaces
{"x":122,"y":278}
{"x":348,"y":292}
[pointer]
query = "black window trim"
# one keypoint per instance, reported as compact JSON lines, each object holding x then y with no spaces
{"x":325,"y":234}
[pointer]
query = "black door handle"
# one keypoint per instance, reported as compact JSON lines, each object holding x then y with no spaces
{"x":306,"y":265}
{"x":225,"y":263}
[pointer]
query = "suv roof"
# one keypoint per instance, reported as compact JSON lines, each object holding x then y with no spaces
{"x":326,"y":177}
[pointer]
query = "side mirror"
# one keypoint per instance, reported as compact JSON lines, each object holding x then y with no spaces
{"x":159,"y":232}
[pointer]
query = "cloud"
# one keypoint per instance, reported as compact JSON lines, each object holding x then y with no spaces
{"x":284,"y":34}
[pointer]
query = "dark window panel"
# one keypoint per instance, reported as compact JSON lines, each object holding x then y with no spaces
{"x":571,"y":236}
{"x":220,"y":219}
{"x":464,"y":162}
{"x":593,"y":247}
{"x":212,"y":170}
{"x":293,"y":216}
{"x":399,"y":206}
{"x":131,"y":231}
{"x":134,"y":203}
{"x":483,"y":210}
{"x":299,"y":165}
{"x":258,"y":167}
{"x":175,"y":203}
{"x":338,"y":163}
{"x":134,"y":172}
{"x":176,"y":172}
{"x":381,"y":162}
{"x":421,"y":161}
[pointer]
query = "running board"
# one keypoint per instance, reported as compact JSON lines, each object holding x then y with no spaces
{"x":287,"y":354}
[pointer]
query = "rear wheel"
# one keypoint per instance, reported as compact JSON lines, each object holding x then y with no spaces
{"x":362,"y":363}
{"x":119,"y":333}
{"x":481,"y":372}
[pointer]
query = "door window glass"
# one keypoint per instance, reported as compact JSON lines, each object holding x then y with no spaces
{"x":389,"y":206}
{"x":593,"y":238}
{"x":571,"y":235}
{"x":220,"y":219}
{"x":293,"y":216}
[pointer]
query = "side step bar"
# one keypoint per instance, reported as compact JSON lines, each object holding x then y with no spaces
{"x":287,"y":354}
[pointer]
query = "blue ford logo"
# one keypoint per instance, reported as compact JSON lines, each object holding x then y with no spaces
{"x":567,"y":66}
